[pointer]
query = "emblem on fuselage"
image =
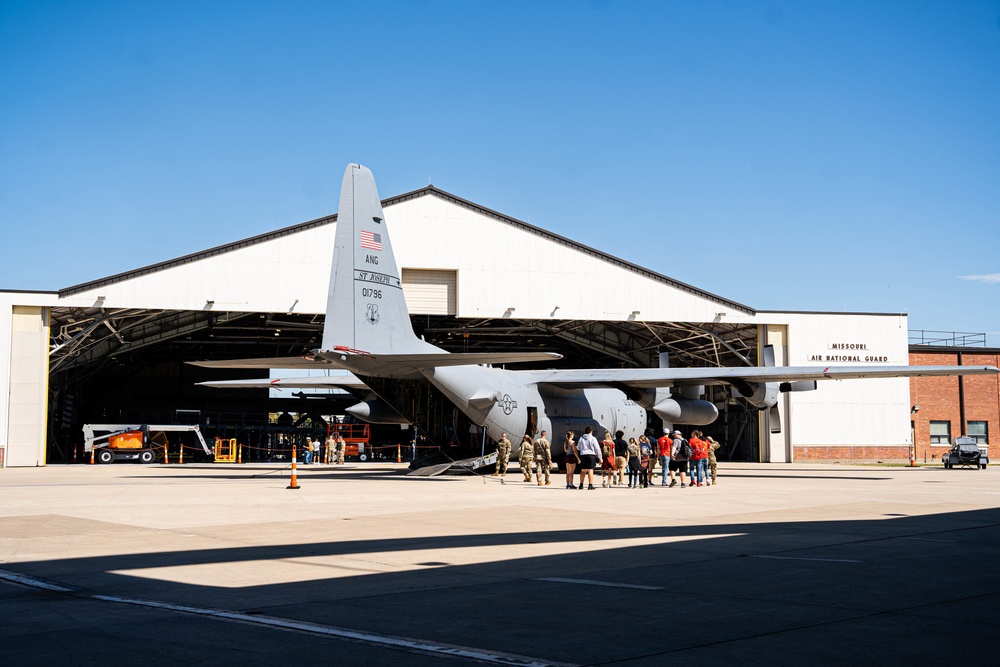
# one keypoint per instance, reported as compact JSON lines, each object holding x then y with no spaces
{"x":372,"y":314}
{"x":507,"y":404}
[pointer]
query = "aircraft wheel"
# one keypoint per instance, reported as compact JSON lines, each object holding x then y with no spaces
{"x":146,"y":456}
{"x":105,"y":456}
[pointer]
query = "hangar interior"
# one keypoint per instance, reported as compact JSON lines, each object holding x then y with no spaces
{"x":111,"y":365}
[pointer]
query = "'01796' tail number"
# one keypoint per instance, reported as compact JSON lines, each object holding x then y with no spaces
{"x":371,"y":293}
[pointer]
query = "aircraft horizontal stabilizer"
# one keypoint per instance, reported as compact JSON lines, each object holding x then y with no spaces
{"x":396,"y":365}
{"x":346,"y":381}
{"x":272,"y":362}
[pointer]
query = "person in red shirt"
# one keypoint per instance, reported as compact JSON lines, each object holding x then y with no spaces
{"x":665,"y":444}
{"x":699,"y":458}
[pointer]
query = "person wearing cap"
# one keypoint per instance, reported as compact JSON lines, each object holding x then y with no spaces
{"x":712,"y":462}
{"x":665,"y":444}
{"x":678,"y":459}
{"x":503,"y":455}
{"x":526,"y":456}
{"x":307,"y":454}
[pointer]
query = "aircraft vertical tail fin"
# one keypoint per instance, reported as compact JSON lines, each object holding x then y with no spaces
{"x":365,"y":308}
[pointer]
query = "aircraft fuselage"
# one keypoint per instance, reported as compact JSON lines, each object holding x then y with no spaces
{"x":505,"y":403}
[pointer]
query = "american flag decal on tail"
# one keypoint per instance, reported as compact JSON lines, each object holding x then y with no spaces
{"x":371,"y":240}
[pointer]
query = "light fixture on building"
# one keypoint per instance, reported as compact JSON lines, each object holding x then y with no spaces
{"x":915,"y":409}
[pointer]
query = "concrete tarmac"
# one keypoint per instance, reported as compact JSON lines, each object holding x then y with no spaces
{"x":220,"y":564}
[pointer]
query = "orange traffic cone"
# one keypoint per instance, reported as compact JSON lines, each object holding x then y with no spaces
{"x":399,"y":453}
{"x":166,"y":457}
{"x":294,"y":484}
{"x":181,"y":458}
{"x":91,"y":456}
{"x":239,"y":454}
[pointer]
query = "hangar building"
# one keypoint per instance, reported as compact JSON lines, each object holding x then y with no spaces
{"x":112,"y":349}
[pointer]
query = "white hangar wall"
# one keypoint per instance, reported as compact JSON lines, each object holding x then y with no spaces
{"x":24,"y":375}
{"x":501,"y":266}
{"x":498,"y":265}
{"x":289,"y":273}
{"x":842,"y":420}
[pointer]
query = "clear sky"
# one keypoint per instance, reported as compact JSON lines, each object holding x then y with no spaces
{"x":798,"y":155}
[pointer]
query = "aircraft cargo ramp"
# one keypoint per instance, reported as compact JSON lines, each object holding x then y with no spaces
{"x":432,"y":467}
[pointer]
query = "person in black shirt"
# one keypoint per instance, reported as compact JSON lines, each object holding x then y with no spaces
{"x":621,"y":457}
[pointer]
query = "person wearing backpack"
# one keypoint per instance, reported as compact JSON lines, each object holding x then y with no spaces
{"x":699,"y":458}
{"x":633,"y":463}
{"x":645,"y":461}
{"x":679,"y":453}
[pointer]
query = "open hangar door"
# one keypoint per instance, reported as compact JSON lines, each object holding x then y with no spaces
{"x":127,"y":366}
{"x":620,"y":344}
{"x":124,"y":365}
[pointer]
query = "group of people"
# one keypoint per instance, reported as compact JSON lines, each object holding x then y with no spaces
{"x":534,"y":455}
{"x":335,"y":449}
{"x":691,"y":461}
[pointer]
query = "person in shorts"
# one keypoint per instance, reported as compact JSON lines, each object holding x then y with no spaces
{"x":590,"y":452}
{"x":678,"y":460}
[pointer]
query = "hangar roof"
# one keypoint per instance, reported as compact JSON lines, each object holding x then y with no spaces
{"x":386,"y":203}
{"x":265,"y":296}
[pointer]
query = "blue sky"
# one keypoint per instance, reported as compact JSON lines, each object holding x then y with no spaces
{"x":801,"y":155}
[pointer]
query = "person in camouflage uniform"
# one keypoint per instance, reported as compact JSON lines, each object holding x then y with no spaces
{"x":341,"y":449}
{"x":503,"y":455}
{"x":712,"y":446}
{"x":543,"y":459}
{"x":526,"y":456}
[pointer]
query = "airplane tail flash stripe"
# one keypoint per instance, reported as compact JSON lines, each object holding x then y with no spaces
{"x":365,"y":305}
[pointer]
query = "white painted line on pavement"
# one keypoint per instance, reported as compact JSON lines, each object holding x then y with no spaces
{"x":399,"y":643}
{"x":927,"y":539}
{"x":33,"y":583}
{"x":413,"y":645}
{"x":822,"y":560}
{"x":591,"y":582}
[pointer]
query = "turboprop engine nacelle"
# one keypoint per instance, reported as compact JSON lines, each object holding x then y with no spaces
{"x":376,"y":412}
{"x":693,"y":411}
{"x":760,"y":395}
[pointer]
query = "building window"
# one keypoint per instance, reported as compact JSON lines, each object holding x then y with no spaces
{"x":978,"y":430}
{"x":940,"y":433}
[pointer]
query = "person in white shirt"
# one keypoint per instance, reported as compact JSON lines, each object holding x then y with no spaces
{"x":590,"y":452}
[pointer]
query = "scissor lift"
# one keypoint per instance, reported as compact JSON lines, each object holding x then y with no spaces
{"x":131,"y":442}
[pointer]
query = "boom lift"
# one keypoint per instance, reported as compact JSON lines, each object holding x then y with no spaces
{"x":130,"y":442}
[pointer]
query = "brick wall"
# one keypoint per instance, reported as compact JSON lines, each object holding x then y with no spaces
{"x":938,"y":397}
{"x":853,"y":454}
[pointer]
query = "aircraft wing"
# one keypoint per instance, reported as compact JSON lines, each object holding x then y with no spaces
{"x":650,"y":378}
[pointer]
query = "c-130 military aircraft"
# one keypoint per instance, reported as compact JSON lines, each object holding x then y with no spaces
{"x":368,"y":332}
